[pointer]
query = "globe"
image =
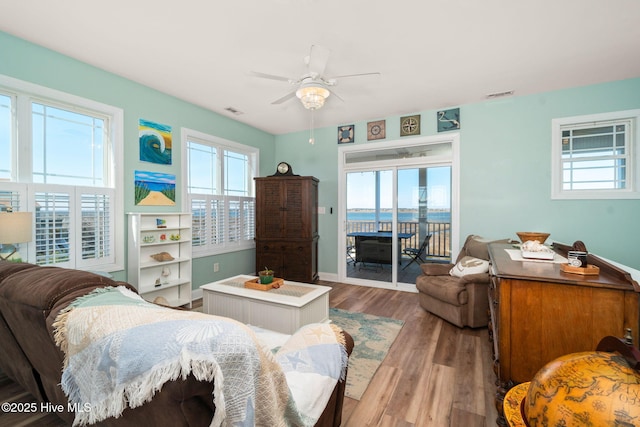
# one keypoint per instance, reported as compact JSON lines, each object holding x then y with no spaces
{"x":580,"y":389}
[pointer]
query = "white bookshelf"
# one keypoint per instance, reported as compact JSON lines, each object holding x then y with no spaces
{"x":146,"y":238}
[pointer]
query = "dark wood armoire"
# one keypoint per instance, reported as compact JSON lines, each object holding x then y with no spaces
{"x":287,"y":226}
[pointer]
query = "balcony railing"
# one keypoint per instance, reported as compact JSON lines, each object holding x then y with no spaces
{"x":439,"y":245}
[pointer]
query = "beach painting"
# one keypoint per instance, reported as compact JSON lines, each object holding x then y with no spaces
{"x":155,"y":142}
{"x":154,"y":189}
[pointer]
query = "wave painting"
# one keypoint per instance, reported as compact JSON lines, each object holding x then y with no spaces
{"x":155,"y":142}
{"x":154,"y":189}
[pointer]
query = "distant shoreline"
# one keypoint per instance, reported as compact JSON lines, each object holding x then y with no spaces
{"x":406,"y":215}
{"x":366,"y":210}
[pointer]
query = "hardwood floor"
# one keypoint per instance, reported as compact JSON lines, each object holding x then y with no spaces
{"x":435,"y":374}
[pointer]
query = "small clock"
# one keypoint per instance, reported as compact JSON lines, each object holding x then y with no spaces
{"x":284,"y":168}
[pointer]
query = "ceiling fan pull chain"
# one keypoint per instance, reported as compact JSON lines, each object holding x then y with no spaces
{"x":312,"y":140}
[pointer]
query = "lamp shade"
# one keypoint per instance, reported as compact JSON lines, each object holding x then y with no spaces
{"x":312,"y":95}
{"x":15,"y":227}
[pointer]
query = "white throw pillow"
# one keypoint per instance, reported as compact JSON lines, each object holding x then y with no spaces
{"x":469,"y":265}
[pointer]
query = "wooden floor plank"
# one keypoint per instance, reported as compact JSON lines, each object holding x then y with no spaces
{"x":466,"y":419}
{"x":437,"y":400}
{"x":370,"y":411}
{"x":469,"y":385}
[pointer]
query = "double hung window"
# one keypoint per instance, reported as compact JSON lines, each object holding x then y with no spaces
{"x":57,"y":155}
{"x":219,"y":180}
{"x":596,"y":157}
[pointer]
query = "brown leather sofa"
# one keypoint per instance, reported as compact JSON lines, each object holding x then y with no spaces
{"x":30,"y":299}
{"x":462,"y":301}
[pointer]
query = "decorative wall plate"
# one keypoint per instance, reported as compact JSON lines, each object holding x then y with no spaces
{"x":376,"y":130}
{"x":410,"y":125}
{"x":346,"y":134}
{"x":448,"y":119}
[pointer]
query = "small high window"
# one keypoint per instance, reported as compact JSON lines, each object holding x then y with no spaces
{"x":596,"y":157}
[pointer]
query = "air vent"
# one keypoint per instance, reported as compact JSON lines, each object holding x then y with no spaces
{"x":234,"y":111}
{"x":500,"y":94}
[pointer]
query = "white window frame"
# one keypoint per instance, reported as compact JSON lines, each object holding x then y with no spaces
{"x":632,"y":188}
{"x":225,"y":241}
{"x":23,"y":94}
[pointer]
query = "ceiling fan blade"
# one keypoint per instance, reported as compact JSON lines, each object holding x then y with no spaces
{"x":328,"y":79}
{"x":333,"y":92}
{"x":271,"y":77}
{"x":318,"y":58}
{"x":284,"y":98}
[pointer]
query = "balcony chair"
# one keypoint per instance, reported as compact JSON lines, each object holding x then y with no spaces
{"x":416,"y":253}
{"x":350,"y":258}
{"x":458,"y":292}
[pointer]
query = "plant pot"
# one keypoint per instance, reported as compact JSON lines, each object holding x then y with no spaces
{"x":266,"y":277}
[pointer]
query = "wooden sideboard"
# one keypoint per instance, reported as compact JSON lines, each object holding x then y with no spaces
{"x":538,"y":313}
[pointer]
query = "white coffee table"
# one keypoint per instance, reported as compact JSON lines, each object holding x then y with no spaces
{"x":283,"y":310}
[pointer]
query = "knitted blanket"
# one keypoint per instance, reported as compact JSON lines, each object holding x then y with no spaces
{"x":119,"y":350}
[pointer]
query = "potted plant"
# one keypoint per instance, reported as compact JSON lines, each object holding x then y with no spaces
{"x":266,"y":276}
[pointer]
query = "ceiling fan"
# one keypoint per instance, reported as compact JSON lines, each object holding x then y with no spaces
{"x":313,"y":86}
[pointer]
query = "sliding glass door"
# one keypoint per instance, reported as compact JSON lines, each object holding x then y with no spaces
{"x":370,"y":239}
{"x":390,"y":233}
{"x":397,"y":216}
{"x":424,"y":214}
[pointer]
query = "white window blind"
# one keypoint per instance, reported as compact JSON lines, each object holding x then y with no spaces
{"x":13,"y":197}
{"x":53,"y":231}
{"x":217,"y":220}
{"x":249,"y":219}
{"x":199,"y":222}
{"x":97,"y":227}
{"x":73,"y":226}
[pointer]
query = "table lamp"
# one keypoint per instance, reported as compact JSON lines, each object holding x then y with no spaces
{"x":15,"y":227}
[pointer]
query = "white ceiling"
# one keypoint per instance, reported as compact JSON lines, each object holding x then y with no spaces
{"x":431,"y":54}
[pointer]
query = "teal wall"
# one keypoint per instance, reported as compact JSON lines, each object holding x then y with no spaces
{"x":505,"y":162}
{"x":35,"y":64}
{"x":504,"y":149}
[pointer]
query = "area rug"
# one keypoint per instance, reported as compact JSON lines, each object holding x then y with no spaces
{"x":373,"y":336}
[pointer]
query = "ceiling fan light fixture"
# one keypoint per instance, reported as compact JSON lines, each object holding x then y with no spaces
{"x":312,"y":96}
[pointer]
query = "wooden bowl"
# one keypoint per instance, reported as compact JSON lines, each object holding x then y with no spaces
{"x":532,"y":235}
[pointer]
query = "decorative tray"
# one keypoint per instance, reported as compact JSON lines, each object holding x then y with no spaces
{"x":585,"y":271}
{"x":538,"y":255}
{"x":536,"y":250}
{"x":255,"y":284}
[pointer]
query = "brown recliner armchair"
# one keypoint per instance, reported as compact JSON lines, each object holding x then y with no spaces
{"x":462,"y":301}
